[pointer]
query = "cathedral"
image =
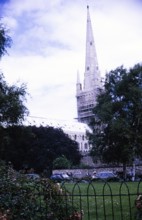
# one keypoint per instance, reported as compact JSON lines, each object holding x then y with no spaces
{"x":86,"y":98}
{"x":86,"y":93}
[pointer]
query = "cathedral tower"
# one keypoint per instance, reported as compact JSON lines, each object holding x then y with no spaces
{"x":86,"y":94}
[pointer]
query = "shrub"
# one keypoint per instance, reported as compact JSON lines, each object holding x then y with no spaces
{"x":24,"y":199}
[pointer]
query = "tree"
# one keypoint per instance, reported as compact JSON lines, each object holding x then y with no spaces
{"x":117,"y":124}
{"x":61,"y":163}
{"x":5,"y":40}
{"x":12,"y":107}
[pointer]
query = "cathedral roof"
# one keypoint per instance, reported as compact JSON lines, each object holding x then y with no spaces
{"x":65,"y":125}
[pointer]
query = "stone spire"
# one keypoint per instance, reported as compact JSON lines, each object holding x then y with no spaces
{"x":86,"y":94}
{"x":92,"y":74}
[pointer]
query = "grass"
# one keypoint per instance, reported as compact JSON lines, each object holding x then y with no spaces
{"x":109,"y":201}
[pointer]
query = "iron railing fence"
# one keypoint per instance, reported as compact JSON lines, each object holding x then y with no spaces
{"x":80,"y":200}
{"x":106,"y":200}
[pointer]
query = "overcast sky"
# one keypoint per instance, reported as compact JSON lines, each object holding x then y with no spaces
{"x":49,"y":46}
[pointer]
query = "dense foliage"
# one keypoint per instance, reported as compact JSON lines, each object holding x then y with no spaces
{"x":25,"y":199}
{"x":117,"y":125}
{"x":36,"y":147}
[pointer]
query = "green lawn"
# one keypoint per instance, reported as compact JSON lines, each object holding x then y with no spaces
{"x":98,"y":200}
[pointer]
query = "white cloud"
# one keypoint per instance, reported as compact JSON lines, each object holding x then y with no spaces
{"x":49,"y":47}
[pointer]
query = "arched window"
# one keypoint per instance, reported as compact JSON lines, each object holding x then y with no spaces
{"x":86,"y":146}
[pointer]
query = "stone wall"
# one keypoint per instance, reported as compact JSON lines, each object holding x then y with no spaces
{"x":80,"y":173}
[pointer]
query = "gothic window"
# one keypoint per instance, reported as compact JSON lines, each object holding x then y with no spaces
{"x":86,"y":146}
{"x":87,"y":67}
{"x":75,"y":137}
{"x":90,"y":42}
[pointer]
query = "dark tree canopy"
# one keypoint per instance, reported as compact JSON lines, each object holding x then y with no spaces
{"x":36,"y":147}
{"x":117,"y":125}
